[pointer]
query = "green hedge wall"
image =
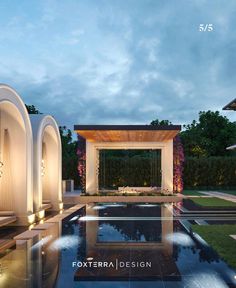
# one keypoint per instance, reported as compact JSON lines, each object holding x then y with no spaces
{"x":135,"y":171}
{"x":205,"y":172}
{"x":210,"y":172}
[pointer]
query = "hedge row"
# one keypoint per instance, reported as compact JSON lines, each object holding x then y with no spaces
{"x":205,"y":172}
{"x":210,"y":172}
{"x":117,"y":172}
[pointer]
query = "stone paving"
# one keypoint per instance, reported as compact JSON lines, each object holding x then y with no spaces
{"x":221,"y":195}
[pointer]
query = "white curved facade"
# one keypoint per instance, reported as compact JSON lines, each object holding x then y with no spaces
{"x":47,"y":163}
{"x":16,"y":154}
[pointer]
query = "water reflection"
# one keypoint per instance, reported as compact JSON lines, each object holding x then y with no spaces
{"x":46,"y":260}
{"x":64,"y":242}
{"x":113,"y":239}
{"x":122,"y":229}
{"x":32,"y":263}
{"x":180,"y":238}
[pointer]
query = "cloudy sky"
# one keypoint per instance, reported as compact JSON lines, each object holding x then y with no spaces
{"x":119,"y":61}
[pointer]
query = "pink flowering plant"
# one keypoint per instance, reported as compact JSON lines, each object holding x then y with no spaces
{"x":81,"y":152}
{"x":178,"y":164}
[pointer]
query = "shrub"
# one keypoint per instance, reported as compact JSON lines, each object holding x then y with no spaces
{"x":210,"y":172}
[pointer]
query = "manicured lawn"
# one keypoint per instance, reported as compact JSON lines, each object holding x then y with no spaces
{"x":192,"y":193}
{"x":217,"y":236}
{"x":213,"y":202}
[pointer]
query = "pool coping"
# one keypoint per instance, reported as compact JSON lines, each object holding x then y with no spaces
{"x":126,"y":199}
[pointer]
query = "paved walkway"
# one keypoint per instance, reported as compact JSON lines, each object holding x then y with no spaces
{"x":221,"y":195}
{"x":74,"y":193}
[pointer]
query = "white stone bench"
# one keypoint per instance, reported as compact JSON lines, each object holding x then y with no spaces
{"x":5,"y":220}
{"x":137,"y":189}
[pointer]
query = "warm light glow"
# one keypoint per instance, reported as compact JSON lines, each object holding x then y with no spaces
{"x":61,"y":205}
{"x":31,"y":218}
{"x":31,"y":226}
{"x":2,"y":274}
{"x":41,"y":214}
{"x":1,"y":165}
{"x":42,"y":168}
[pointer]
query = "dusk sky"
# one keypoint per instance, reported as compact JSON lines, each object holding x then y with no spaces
{"x":119,"y":62}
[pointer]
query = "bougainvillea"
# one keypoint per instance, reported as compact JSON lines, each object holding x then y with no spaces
{"x":81,"y":152}
{"x":178,"y":164}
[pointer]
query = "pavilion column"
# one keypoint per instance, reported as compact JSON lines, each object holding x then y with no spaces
{"x":167,"y":166}
{"x":97,"y":169}
{"x":91,"y":168}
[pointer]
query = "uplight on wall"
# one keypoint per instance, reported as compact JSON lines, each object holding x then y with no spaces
{"x":42,"y":168}
{"x":41,"y":214}
{"x":2,"y":268}
{"x":1,"y":165}
{"x":61,"y":205}
{"x":31,"y":218}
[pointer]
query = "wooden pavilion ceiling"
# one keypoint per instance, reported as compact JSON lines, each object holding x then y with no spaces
{"x":231,"y":105}
{"x":125,"y":133}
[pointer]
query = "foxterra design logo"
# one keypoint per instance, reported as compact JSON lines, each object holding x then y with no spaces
{"x":116,"y":264}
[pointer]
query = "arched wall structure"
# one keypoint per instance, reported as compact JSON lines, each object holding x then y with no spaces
{"x":47,"y":163}
{"x":16,"y":154}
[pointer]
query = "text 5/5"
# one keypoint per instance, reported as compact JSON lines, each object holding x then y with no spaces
{"x":205,"y":27}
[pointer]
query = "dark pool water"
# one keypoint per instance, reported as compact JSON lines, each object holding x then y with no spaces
{"x":113,"y":246}
{"x":111,"y":233}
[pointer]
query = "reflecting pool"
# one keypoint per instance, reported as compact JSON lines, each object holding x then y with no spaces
{"x":116,"y":245}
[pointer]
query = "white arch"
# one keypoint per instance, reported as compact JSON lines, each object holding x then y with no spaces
{"x":47,"y":148}
{"x":17,"y":153}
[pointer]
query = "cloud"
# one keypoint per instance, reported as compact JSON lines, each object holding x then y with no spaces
{"x":124,"y":62}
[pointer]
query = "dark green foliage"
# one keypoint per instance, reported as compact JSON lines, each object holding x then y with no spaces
{"x":129,"y":168}
{"x":160,"y":122}
{"x":210,"y":172}
{"x":69,"y":156}
{"x":32,"y":109}
{"x":209,"y":136}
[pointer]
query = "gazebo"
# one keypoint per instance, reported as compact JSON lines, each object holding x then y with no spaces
{"x":138,"y":137}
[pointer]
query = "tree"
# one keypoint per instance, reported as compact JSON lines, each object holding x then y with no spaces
{"x":69,"y":155}
{"x":160,"y":122}
{"x":209,"y":136}
{"x":32,"y":109}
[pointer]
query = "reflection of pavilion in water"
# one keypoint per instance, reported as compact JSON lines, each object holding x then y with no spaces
{"x":158,"y":251}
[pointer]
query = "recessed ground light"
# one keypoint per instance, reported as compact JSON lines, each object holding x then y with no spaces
{"x":74,"y":218}
{"x":90,"y":258}
{"x":234,"y":276}
{"x":99,"y":207}
{"x":147,"y":205}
